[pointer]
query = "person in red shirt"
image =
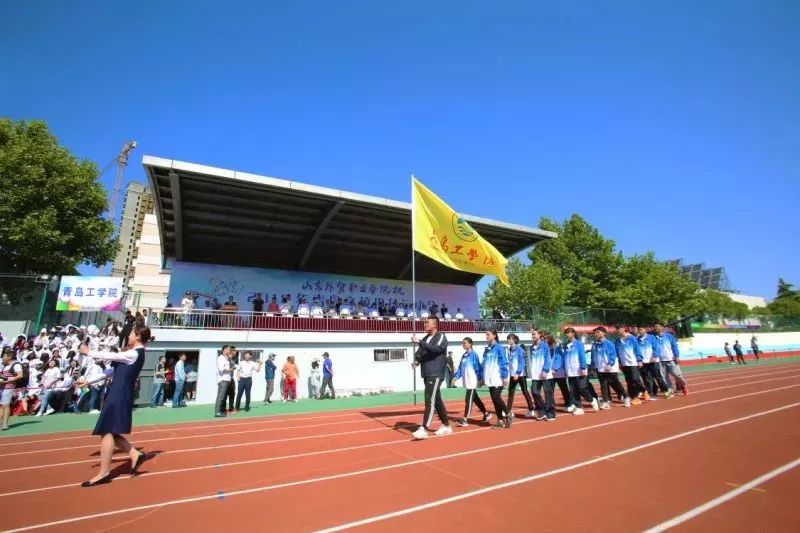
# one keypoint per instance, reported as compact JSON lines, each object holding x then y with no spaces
{"x":290,"y":375}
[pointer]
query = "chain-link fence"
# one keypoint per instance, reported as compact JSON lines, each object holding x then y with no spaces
{"x":28,"y":300}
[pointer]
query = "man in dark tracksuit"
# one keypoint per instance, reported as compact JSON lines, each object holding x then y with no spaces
{"x":431,"y":355}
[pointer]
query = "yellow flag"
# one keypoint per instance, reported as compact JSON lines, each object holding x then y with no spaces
{"x":444,"y":236}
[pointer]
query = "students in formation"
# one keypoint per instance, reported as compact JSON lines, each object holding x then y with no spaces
{"x":469,"y":375}
{"x":518,"y":377}
{"x":645,"y":360}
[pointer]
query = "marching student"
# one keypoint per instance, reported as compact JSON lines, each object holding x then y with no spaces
{"x":495,"y":376}
{"x":117,"y":414}
{"x":651,"y":367}
{"x":469,"y":375}
{"x":630,"y":360}
{"x":739,"y":354}
{"x":729,"y":353}
{"x":604,"y":357}
{"x":574,"y":356}
{"x":540,"y":377}
{"x":668,"y":353}
{"x":516,"y":363}
{"x":557,"y":370}
{"x":431,"y":356}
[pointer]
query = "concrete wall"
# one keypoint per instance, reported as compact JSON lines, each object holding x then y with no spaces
{"x":704,"y":344}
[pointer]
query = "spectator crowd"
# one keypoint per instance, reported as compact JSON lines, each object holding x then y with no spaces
{"x":46,"y":373}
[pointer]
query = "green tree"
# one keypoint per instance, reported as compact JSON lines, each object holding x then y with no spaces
{"x":539,"y":285}
{"x":786,"y":290}
{"x":587,"y":261}
{"x":51,"y":204}
{"x":718,"y":304}
{"x":653,"y":291}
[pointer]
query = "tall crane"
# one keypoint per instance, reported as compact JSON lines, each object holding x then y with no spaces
{"x":122,"y":162}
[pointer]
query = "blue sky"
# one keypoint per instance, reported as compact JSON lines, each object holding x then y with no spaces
{"x":671,"y":126}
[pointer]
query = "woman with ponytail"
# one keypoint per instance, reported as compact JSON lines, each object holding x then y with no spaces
{"x":117,"y":414}
{"x":495,"y":376}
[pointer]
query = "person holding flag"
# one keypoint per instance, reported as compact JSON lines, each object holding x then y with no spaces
{"x":431,"y":357}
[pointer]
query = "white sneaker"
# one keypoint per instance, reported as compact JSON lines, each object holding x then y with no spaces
{"x":595,"y":405}
{"x":283,"y":401}
{"x":94,"y":412}
{"x":605,"y":406}
{"x":38,"y":414}
{"x":627,"y":402}
{"x":578,"y":411}
{"x":49,"y":411}
{"x":420,"y":434}
{"x":571,"y":409}
{"x":531,"y":414}
{"x":443,"y":430}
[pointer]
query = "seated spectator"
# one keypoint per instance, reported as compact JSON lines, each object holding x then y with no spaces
{"x":459,"y":314}
{"x":345,"y":310}
{"x":399,"y":312}
{"x":316,"y":309}
{"x":303,"y":309}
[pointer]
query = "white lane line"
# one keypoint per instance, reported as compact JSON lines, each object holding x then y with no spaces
{"x":528,"y":479}
{"x":406,"y":441}
{"x":728,"y":496}
{"x":449,"y":403}
{"x":395,"y":466}
{"x":324,"y":436}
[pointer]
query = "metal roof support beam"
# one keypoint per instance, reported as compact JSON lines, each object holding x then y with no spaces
{"x":177,"y":213}
{"x":312,"y":243}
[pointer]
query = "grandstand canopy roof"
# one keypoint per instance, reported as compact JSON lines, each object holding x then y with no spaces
{"x":214,"y":215}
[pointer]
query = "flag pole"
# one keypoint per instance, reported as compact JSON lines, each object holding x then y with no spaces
{"x":413,"y":288}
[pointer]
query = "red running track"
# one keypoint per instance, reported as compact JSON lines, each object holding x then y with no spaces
{"x":628,"y":469}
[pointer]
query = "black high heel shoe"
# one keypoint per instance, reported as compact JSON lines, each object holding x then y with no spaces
{"x":137,"y":464}
{"x":102,"y":481}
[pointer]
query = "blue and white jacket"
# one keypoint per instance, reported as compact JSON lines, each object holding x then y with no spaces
{"x":574,"y":356}
{"x":667,"y":347}
{"x":557,"y":366}
{"x":540,"y":360}
{"x":469,"y":372}
{"x":647,"y":347}
{"x":628,"y":351}
{"x":516,"y":361}
{"x":495,"y":365}
{"x":604,"y":353}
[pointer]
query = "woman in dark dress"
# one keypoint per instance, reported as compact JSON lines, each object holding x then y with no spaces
{"x":117,"y":414}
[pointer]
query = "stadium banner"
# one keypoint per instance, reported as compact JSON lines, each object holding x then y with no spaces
{"x":208,"y":281}
{"x":89,"y":293}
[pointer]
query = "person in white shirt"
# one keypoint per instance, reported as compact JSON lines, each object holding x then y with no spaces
{"x":224,"y":375}
{"x":187,"y":305}
{"x":459,"y":315}
{"x":94,"y":377}
{"x":244,"y":379}
{"x":51,"y":376}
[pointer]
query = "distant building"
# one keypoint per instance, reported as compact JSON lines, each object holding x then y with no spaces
{"x":149,"y":283}
{"x":138,"y":202}
{"x":708,"y":278}
{"x":749,"y":301}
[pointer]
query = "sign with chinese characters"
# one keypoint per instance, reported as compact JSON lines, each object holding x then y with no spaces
{"x":89,"y":293}
{"x":222,"y":282}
